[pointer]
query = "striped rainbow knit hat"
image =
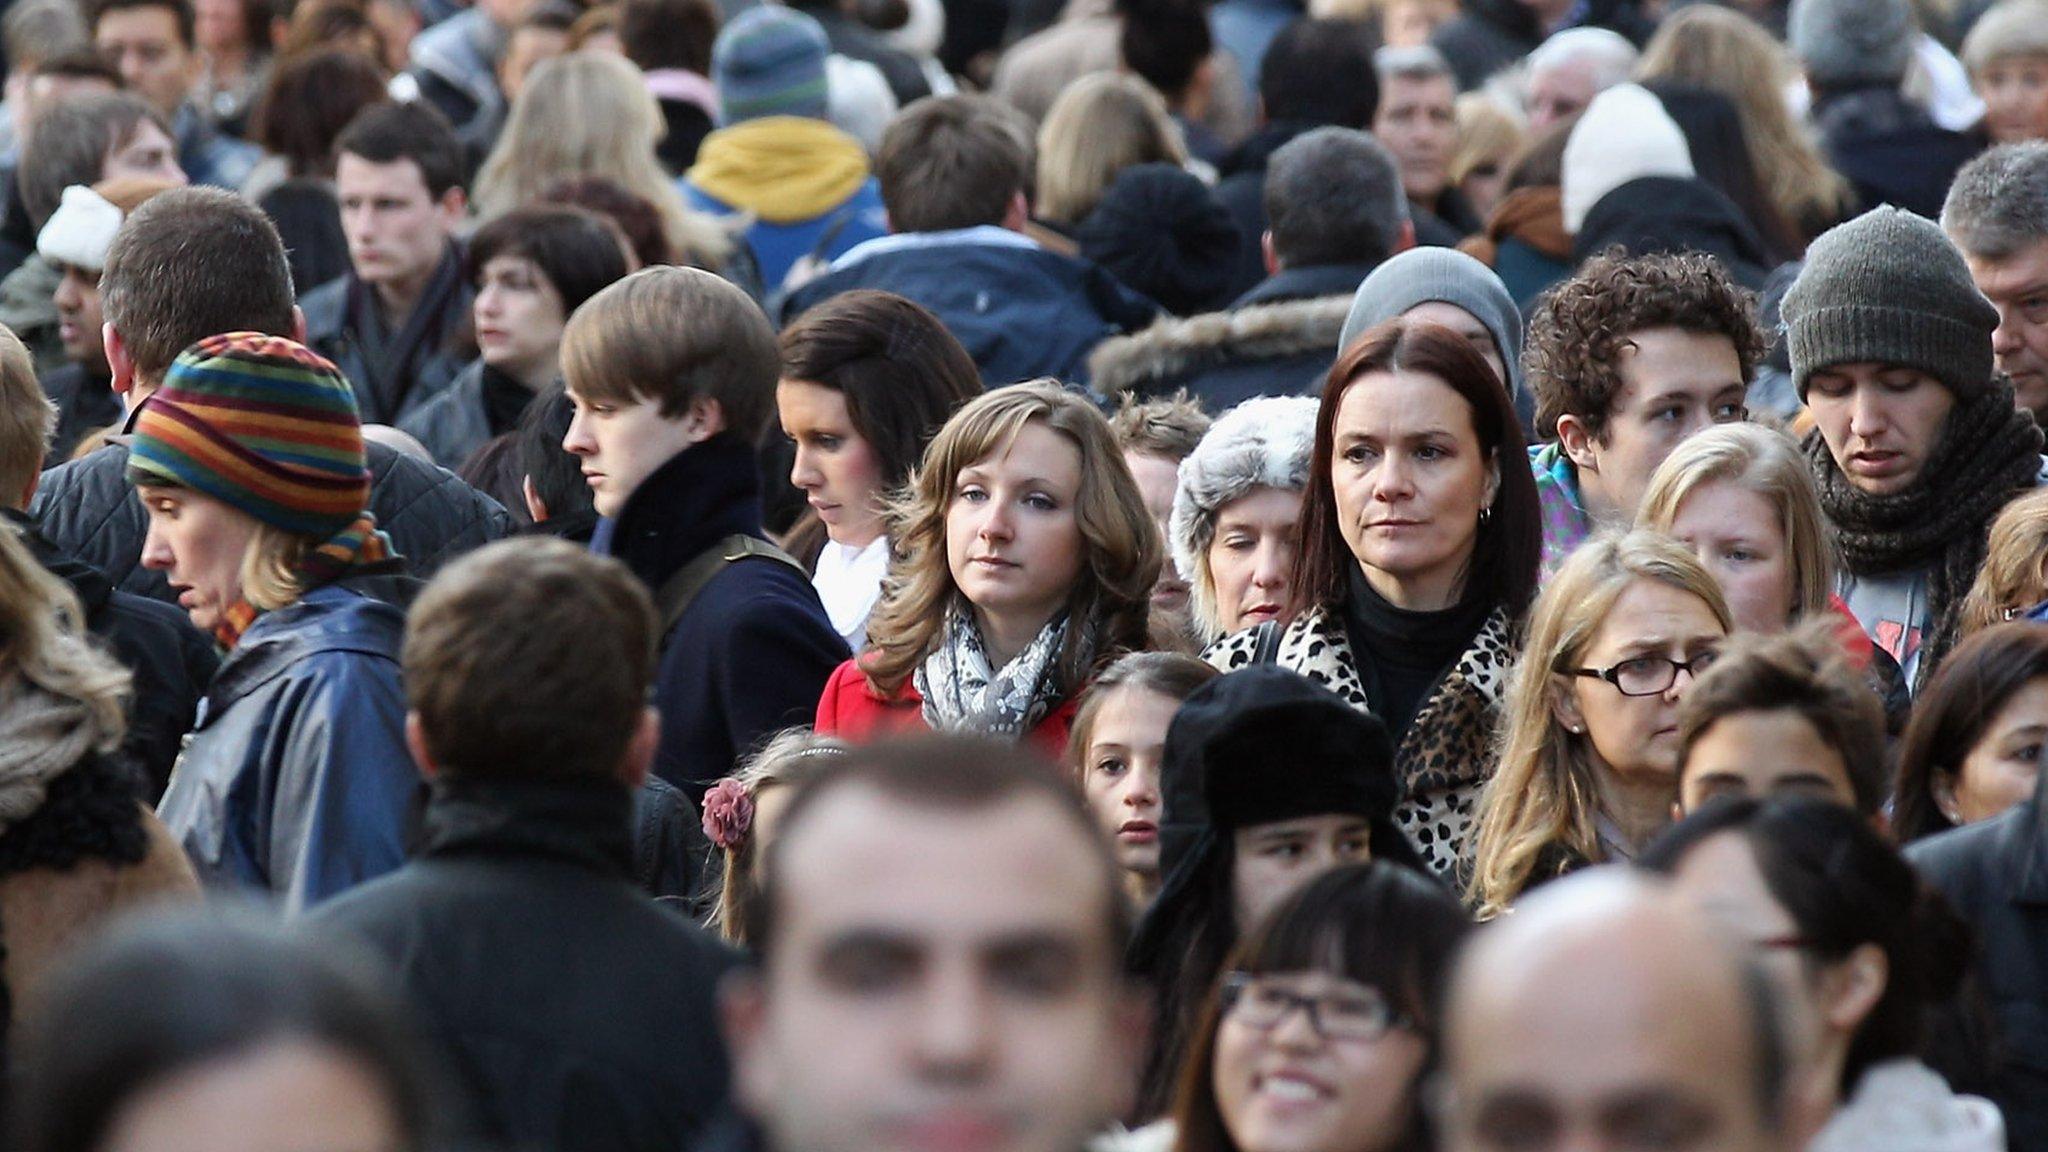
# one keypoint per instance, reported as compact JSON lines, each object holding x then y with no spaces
{"x":263,"y":424}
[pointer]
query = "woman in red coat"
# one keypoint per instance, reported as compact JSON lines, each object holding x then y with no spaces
{"x":1025,"y":562}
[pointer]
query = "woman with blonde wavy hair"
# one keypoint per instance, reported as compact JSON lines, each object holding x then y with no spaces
{"x":740,"y":814}
{"x":2014,"y":579}
{"x":1588,"y":769}
{"x":1025,"y":562}
{"x":1102,"y":124}
{"x":1724,"y":51}
{"x":1742,"y":498}
{"x":77,"y":844}
{"x":590,"y":114}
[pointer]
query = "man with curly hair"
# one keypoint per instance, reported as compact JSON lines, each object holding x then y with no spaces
{"x":1627,"y":359}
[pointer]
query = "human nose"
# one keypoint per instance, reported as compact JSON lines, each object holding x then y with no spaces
{"x":1866,"y":414}
{"x":955,"y":1031}
{"x":2005,"y":339}
{"x":1271,"y":565}
{"x":1299,"y":1025}
{"x":488,"y":301}
{"x":156,"y":551}
{"x":1143,"y":789}
{"x":995,"y":522}
{"x":578,"y":441}
{"x":803,"y":470}
{"x":1391,"y":480}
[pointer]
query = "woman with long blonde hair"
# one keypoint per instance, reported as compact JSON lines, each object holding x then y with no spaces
{"x":1025,"y":559}
{"x":1589,"y":748}
{"x":1724,"y":51}
{"x":590,"y":114}
{"x":1102,"y":124}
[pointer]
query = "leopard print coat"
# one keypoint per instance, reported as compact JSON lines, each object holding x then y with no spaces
{"x":1447,"y":753}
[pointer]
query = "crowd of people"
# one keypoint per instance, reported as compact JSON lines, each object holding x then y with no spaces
{"x":989,"y":576}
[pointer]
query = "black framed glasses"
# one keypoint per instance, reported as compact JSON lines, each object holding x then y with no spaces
{"x":1647,"y":675}
{"x":1350,"y":1012}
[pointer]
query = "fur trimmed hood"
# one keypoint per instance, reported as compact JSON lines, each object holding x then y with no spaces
{"x":1171,"y":349}
{"x":1263,"y":441}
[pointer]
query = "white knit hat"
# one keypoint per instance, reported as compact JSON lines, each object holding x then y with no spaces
{"x":1624,"y":135}
{"x":80,"y":231}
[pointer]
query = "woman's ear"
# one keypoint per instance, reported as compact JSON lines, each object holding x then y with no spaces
{"x":1564,"y":708}
{"x":1492,"y":480}
{"x":1941,"y":784}
{"x":1851,"y":988}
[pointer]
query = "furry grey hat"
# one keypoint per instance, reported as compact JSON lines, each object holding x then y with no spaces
{"x":1842,"y":43}
{"x":1263,"y":441}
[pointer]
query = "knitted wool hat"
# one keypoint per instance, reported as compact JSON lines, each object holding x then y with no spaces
{"x":262,"y":424}
{"x":1889,"y":288}
{"x":1623,"y":135}
{"x":1843,"y":43}
{"x":1440,"y":275}
{"x":770,"y":61}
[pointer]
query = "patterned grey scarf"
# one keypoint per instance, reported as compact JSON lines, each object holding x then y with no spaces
{"x":963,"y":694}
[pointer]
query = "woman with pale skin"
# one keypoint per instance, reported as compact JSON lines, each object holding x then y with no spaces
{"x":1117,"y":749}
{"x":1742,"y":499}
{"x":1235,"y":513}
{"x":1321,"y":1036}
{"x":741,"y":814}
{"x":2006,"y":53}
{"x":1856,"y":950}
{"x":1025,"y":563}
{"x":1978,"y":734}
{"x":1419,"y":545}
{"x":867,"y":380}
{"x":1589,"y":757}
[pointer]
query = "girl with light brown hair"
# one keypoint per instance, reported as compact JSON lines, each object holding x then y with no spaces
{"x":1025,"y":562}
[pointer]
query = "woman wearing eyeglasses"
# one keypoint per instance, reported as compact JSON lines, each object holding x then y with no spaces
{"x":1321,"y":1035}
{"x":1856,"y":949}
{"x":1588,"y":768}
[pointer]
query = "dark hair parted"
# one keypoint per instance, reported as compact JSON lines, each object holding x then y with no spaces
{"x":560,"y":695}
{"x":962,"y":776}
{"x":1169,"y":674}
{"x":309,"y":99}
{"x":901,"y":373}
{"x":1802,"y":671}
{"x":1378,"y":924}
{"x":1508,"y":549}
{"x":556,"y":475}
{"x":1573,"y":354}
{"x":675,"y":336}
{"x":192,"y":263}
{"x":951,"y":162}
{"x":1953,"y":713}
{"x":638,"y":220}
{"x":669,"y":34}
{"x":1844,"y":887}
{"x":1320,"y":72}
{"x":71,"y":142}
{"x":1109,"y":604}
{"x":171,"y":991}
{"x":181,"y":14}
{"x":389,"y":132}
{"x":579,"y":252}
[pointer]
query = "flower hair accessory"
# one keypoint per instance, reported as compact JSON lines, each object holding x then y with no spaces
{"x":728,"y":814}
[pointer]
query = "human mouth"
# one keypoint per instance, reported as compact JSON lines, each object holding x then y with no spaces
{"x":992,"y":564}
{"x":1259,"y":614}
{"x":1292,"y":1087}
{"x":954,"y":1131}
{"x":1138,"y":832}
{"x":1393,"y":525}
{"x":1874,"y":463}
{"x":594,"y":479}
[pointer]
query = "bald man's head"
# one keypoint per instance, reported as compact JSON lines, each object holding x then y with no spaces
{"x":1605,"y":1013}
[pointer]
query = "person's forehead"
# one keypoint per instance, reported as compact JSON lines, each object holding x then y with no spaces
{"x":149,"y":21}
{"x":401,"y":175}
{"x":2024,"y":271}
{"x":863,"y":860}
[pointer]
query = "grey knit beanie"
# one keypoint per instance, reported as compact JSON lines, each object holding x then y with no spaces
{"x":1843,"y":43}
{"x":1424,"y":275}
{"x":1889,"y":288}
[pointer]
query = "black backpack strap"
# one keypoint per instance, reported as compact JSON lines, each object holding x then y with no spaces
{"x":681,"y":589}
{"x":1266,"y":643}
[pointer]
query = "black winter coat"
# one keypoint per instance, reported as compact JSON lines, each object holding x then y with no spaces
{"x":1890,"y":150}
{"x":1658,"y":214}
{"x":172,"y":661}
{"x":90,"y":512}
{"x":1242,"y":192}
{"x":1995,"y":873}
{"x":751,"y":654}
{"x":84,"y":405}
{"x":577,"y":1014}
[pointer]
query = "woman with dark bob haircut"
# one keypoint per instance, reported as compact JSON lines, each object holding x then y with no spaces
{"x":282,"y":1040}
{"x":1420,"y":540}
{"x":531,"y":269}
{"x":868,"y":378}
{"x":1345,"y":982}
{"x":1857,"y":949}
{"x":1974,"y":746}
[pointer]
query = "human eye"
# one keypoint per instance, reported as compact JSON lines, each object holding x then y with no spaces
{"x":1359,"y":452}
{"x":1111,"y":765}
{"x":1658,"y":1125}
{"x":1041,"y":501}
{"x":1730,"y":412}
{"x":1668,"y":414}
{"x":1035,"y":970}
{"x":827,"y":442}
{"x":867,"y":967}
{"x":1285,"y":849}
{"x":1514,"y":1125}
{"x":2035,"y":308}
{"x":1356,"y":844}
{"x":972,"y":493}
{"x":2027,"y":755}
{"x":1238,"y":542}
{"x":1431,"y":452}
{"x":1738,"y":554}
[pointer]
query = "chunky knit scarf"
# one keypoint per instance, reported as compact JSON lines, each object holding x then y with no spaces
{"x":358,"y":544}
{"x":1989,"y":452}
{"x":42,"y":736}
{"x":962,"y":693}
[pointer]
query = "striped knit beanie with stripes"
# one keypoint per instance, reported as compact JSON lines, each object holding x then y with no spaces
{"x":263,"y":424}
